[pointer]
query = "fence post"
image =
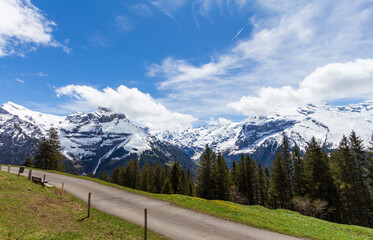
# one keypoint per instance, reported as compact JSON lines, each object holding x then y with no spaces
{"x":63,"y":184}
{"x":89,"y":205}
{"x":29,"y":174}
{"x":19,"y":171}
{"x":0,"y":166}
{"x":145,"y":223}
{"x":9,"y":168}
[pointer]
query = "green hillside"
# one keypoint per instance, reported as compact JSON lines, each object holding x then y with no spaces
{"x":277,"y":220}
{"x":30,"y":212}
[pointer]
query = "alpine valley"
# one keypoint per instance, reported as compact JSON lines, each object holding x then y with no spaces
{"x":101,"y":140}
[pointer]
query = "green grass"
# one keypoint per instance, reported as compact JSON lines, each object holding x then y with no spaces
{"x":30,"y":212}
{"x":280,"y":220}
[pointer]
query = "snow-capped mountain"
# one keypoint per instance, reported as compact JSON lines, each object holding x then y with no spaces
{"x":101,"y":140}
{"x":95,"y":141}
{"x":261,"y":136}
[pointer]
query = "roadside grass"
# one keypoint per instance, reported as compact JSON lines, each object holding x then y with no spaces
{"x":29,"y":211}
{"x":277,"y":220}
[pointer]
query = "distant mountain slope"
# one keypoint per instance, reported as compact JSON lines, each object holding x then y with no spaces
{"x":261,"y":136}
{"x":102,"y":140}
{"x":95,"y":141}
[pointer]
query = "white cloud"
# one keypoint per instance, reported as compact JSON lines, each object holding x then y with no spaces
{"x":42,"y":74}
{"x":19,"y":80}
{"x":141,"y":10}
{"x":292,"y":38}
{"x":137,"y":106}
{"x":219,"y":121}
{"x":169,"y":7}
{"x":22,"y":24}
{"x":330,"y":82}
{"x":123,"y":23}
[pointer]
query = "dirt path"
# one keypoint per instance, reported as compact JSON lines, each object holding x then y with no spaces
{"x":169,"y":220}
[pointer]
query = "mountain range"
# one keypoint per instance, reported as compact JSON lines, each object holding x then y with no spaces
{"x":91,"y":142}
{"x":101,"y":140}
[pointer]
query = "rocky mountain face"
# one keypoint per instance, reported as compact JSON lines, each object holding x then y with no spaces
{"x":261,"y":136}
{"x":102,"y":140}
{"x":91,"y":142}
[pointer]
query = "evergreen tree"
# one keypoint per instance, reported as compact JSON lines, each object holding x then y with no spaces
{"x":299,"y":176}
{"x":343,"y":172}
{"x":234,"y":173}
{"x":361,"y":164}
{"x":320,"y":181}
{"x":116,"y":177}
{"x":267,"y":186}
{"x":135,"y":175}
{"x":205,"y":186}
{"x":287,"y":165}
{"x":190,"y":184}
{"x":104,"y":176}
{"x":241,"y":177}
{"x":221,"y":179}
{"x":370,"y":167}
{"x":261,"y":185}
{"x":158,"y":178}
{"x":177,"y":178}
{"x":167,"y":186}
{"x":146,"y":178}
{"x":278,"y":183}
{"x":28,"y":162}
{"x":49,"y":155}
{"x":250,"y":180}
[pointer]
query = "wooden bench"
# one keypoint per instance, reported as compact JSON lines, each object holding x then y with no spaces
{"x":38,"y":180}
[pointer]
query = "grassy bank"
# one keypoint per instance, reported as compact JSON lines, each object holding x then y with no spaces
{"x":279,"y":220}
{"x":30,"y":212}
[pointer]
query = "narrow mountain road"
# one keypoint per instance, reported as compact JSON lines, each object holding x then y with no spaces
{"x":164,"y":218}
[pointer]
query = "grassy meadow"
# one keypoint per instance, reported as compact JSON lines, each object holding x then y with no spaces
{"x":30,"y":212}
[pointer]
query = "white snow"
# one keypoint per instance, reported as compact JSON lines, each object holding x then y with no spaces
{"x":325,"y":122}
{"x":80,"y":134}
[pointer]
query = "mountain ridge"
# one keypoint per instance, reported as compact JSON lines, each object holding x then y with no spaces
{"x":261,"y":135}
{"x":94,"y":142}
{"x":101,"y":140}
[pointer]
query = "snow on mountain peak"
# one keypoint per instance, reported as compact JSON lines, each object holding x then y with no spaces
{"x":260,"y":134}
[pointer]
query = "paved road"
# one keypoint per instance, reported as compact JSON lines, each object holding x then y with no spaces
{"x":164,"y":218}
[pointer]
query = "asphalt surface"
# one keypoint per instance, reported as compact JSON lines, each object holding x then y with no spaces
{"x":164,"y":218}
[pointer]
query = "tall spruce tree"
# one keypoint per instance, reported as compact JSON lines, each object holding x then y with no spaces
{"x":299,"y":176}
{"x":116,"y":177}
{"x":320,"y":181}
{"x":361,"y":165}
{"x":158,"y":178}
{"x":370,"y":167}
{"x":278,"y":183}
{"x":261,"y":185}
{"x":241,"y":177}
{"x":221,"y":179}
{"x":49,"y":155}
{"x":343,"y":172}
{"x":288,"y":168}
{"x":251,"y":180}
{"x":177,"y":178}
{"x":205,"y":184}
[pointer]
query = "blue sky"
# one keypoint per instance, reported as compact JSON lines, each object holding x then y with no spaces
{"x":174,"y":64}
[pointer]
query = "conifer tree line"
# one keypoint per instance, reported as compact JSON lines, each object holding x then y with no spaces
{"x":153,"y":179}
{"x":336,"y":186}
